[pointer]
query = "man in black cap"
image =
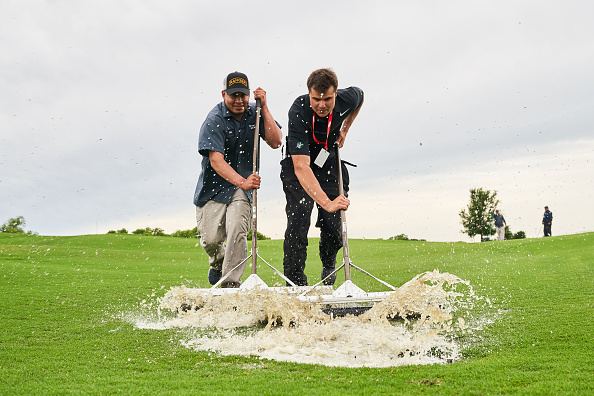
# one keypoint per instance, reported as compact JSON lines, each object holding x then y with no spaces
{"x":317,"y":121}
{"x":547,"y":221}
{"x":224,"y":190}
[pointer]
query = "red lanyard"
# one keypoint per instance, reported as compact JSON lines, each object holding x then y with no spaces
{"x":313,"y":123}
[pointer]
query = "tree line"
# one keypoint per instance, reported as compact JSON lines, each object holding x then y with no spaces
{"x":193,"y":233}
{"x":476,"y":218}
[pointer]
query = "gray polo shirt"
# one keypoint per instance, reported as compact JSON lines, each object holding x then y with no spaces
{"x":222,"y":132}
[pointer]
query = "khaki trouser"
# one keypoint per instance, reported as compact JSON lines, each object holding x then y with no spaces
{"x":500,"y":233}
{"x":218,"y":222}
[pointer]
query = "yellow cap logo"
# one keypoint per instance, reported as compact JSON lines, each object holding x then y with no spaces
{"x":237,"y":80}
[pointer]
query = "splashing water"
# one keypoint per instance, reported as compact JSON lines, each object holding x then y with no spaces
{"x":429,"y":307}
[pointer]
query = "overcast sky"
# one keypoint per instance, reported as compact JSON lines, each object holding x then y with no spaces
{"x":101,"y":103}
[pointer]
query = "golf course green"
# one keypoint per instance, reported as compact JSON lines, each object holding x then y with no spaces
{"x":63,"y":300}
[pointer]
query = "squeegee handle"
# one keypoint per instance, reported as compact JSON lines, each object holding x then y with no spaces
{"x":255,"y":168}
{"x":343,"y":222}
{"x":256,"y":154}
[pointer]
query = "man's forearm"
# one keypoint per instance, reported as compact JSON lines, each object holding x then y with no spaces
{"x":226,"y":171}
{"x":272,"y":134}
{"x":311,"y":186}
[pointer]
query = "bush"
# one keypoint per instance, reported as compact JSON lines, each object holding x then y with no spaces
{"x":519,"y":235}
{"x":149,"y":231}
{"x":260,"y":237}
{"x":508,"y":233}
{"x":158,"y":232}
{"x":193,"y":233}
{"x":399,"y":237}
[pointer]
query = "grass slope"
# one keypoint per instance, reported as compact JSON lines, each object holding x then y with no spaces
{"x":57,"y":335}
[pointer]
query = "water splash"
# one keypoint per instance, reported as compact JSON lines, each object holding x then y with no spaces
{"x":278,"y":326}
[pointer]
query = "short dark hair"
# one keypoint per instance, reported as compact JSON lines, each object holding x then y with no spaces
{"x":321,"y":80}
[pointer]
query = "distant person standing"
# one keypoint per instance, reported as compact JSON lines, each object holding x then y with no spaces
{"x":223,"y":196}
{"x":547,"y":220}
{"x":499,"y":225}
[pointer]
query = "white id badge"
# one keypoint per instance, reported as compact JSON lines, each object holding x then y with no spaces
{"x":322,"y":157}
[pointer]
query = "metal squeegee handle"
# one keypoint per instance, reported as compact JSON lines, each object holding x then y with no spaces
{"x":345,"y":239}
{"x":255,"y":169}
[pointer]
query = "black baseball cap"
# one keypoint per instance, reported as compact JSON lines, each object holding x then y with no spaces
{"x":237,"y":82}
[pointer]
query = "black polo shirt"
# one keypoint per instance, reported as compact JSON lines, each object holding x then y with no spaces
{"x":300,"y":139}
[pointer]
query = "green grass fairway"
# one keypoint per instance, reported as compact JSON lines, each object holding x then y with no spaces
{"x":59,"y":335}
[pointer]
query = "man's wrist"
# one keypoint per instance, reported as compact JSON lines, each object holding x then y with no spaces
{"x":325,"y":203}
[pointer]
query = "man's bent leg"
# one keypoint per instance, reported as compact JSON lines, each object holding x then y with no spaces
{"x":298,"y":211}
{"x":295,"y":243}
{"x":330,"y":224}
{"x":211,"y":226}
{"x":547,"y":230}
{"x":330,"y":242}
{"x":238,"y":221}
{"x":500,"y":233}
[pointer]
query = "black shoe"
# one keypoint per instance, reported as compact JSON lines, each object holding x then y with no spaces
{"x":214,"y":276}
{"x":327,"y":271}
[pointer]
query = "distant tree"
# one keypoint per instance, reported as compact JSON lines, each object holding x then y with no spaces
{"x":158,"y":232}
{"x":149,"y":231}
{"x":399,"y":237}
{"x":477,"y":218}
{"x":143,"y":231}
{"x":111,"y":232}
{"x":14,"y":225}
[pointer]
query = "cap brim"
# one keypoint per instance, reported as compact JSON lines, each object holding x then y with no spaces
{"x":244,"y":91}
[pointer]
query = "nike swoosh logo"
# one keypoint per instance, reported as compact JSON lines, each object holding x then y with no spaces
{"x":343,"y":113}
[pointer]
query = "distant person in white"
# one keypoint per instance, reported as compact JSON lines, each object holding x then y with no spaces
{"x":499,"y":225}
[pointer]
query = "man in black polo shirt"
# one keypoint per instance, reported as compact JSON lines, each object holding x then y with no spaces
{"x":309,"y":172}
{"x":547,"y":220}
